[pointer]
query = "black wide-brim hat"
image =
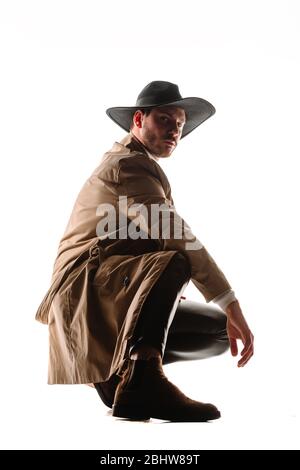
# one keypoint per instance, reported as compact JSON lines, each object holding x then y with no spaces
{"x":157,"y":94}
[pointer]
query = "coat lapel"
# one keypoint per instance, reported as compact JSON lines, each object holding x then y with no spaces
{"x":134,"y":145}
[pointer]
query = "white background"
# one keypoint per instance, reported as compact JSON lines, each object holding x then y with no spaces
{"x":235,"y":180}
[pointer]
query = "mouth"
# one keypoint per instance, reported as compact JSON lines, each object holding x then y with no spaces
{"x":170,"y":143}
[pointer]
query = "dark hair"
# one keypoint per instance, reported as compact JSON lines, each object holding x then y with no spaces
{"x":145,"y":111}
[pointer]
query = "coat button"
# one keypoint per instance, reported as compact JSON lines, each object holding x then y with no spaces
{"x":126,"y":281}
{"x":94,"y":251}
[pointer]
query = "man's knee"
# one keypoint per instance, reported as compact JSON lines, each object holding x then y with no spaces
{"x":222,"y":335}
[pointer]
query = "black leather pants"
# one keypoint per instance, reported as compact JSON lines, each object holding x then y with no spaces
{"x":198,"y":331}
{"x":180,"y":329}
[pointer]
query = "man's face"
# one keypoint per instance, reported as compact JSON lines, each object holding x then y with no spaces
{"x":161,"y":130}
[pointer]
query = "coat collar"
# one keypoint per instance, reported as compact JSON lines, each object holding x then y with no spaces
{"x":134,"y":144}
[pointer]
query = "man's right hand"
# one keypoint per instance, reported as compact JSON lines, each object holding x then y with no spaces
{"x":237,"y":328}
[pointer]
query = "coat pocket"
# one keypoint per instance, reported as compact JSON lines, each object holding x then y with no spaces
{"x":63,"y":279}
{"x":114,"y":273}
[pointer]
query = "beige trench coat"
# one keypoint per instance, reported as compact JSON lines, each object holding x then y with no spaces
{"x":99,"y":283}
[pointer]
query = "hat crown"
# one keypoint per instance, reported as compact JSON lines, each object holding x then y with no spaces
{"x":158,"y":92}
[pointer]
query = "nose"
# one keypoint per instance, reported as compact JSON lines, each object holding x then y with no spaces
{"x":174,"y":132}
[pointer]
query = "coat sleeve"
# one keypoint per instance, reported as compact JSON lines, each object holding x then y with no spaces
{"x":150,"y":211}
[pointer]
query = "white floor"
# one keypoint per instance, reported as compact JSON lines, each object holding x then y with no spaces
{"x":72,"y":417}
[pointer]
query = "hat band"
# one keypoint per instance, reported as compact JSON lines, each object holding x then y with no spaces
{"x":157,"y":101}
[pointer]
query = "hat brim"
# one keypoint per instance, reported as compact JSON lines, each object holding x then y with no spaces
{"x":197,"y":111}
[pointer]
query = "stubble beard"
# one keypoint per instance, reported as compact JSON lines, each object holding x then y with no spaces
{"x":150,"y":142}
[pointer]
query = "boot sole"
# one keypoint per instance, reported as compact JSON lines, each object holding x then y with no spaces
{"x":121,"y":411}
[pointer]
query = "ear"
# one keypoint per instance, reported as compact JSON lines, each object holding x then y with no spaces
{"x":137,"y":118}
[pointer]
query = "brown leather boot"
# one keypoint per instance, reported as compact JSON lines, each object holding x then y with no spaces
{"x":145,"y":392}
{"x":106,"y":390}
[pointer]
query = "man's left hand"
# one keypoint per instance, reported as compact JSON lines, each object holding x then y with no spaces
{"x":237,"y":328}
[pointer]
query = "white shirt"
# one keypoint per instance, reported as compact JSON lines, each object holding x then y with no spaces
{"x":151,"y":155}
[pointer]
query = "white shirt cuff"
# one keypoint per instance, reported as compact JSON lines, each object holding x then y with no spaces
{"x":225,"y":299}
